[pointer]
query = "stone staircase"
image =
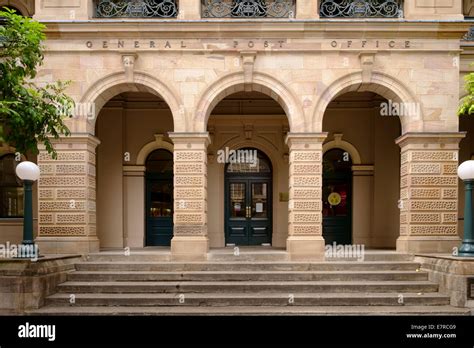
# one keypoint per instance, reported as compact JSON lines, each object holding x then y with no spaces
{"x":248,"y":284}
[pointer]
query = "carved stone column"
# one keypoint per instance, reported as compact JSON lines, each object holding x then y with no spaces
{"x":428,"y":192}
{"x":305,"y":240}
{"x":67,"y":197}
{"x":190,"y":241}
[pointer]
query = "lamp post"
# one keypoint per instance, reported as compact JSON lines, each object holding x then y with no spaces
{"x":466,"y":173}
{"x":29,"y":173}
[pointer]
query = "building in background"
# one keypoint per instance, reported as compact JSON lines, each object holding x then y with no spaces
{"x":350,"y":107}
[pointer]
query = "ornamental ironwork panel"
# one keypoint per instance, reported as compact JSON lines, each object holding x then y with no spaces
{"x":361,"y":9}
{"x":136,"y":9}
{"x":248,"y":8}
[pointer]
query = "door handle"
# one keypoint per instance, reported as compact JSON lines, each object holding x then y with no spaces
{"x":249,"y":212}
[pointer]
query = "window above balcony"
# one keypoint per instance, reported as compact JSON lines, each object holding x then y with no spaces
{"x":136,"y":8}
{"x":361,"y":9}
{"x":248,"y":8}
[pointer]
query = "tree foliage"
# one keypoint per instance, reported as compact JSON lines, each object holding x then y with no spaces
{"x":30,"y":113}
{"x":467,"y":105}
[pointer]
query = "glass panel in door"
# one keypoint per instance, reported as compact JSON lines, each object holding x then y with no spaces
{"x":259,"y":200}
{"x":161,"y":199}
{"x":335,"y":199}
{"x":237,"y":200}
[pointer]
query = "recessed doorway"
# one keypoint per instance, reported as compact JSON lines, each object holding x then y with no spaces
{"x":159,"y":198}
{"x":248,"y":201}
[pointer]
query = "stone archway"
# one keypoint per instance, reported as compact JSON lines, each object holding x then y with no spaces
{"x":131,"y":176}
{"x":304,"y":240}
{"x":76,"y":229}
{"x":106,"y":88}
{"x":133,"y":113}
{"x":373,"y":184}
{"x":159,"y":143}
{"x":425,"y":179}
{"x":382,"y":84}
{"x":262,"y":83}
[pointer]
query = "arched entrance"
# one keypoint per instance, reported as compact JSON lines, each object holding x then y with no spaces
{"x":248,"y":120}
{"x":364,"y":166}
{"x":337,"y":197}
{"x":159,"y":198}
{"x":248,"y":198}
{"x":126,"y":126}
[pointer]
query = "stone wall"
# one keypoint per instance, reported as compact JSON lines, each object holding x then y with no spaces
{"x":24,"y":284}
{"x":451,"y":274}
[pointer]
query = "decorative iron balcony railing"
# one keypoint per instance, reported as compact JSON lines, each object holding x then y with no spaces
{"x":361,"y":9}
{"x":248,"y":8}
{"x":136,"y":8}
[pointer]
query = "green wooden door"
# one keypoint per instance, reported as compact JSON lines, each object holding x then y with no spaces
{"x":337,"y":197}
{"x":248,"y":211}
{"x":159,"y":198}
{"x":248,"y":202}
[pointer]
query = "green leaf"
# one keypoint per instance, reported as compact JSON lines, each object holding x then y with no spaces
{"x":29,"y":114}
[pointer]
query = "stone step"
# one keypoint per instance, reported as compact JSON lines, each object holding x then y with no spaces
{"x":375,"y":256}
{"x":288,"y":287}
{"x":96,"y":276}
{"x":253,"y":310}
{"x":224,"y":286}
{"x":248,"y":266}
{"x":247,"y":256}
{"x":228,"y":255}
{"x":245,"y":299}
{"x":119,"y":256}
{"x":166,"y":257}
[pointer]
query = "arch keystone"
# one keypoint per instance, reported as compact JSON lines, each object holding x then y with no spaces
{"x":367,"y":60}
{"x":128,"y":61}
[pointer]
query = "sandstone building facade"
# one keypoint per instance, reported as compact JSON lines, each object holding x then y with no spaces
{"x":160,"y":97}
